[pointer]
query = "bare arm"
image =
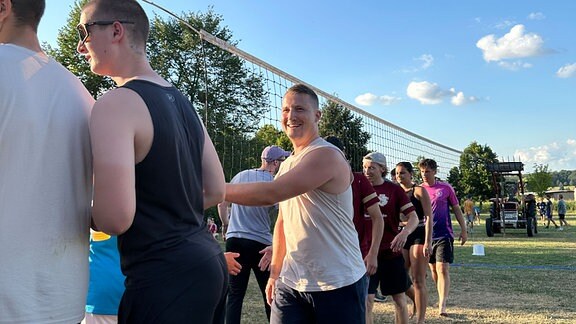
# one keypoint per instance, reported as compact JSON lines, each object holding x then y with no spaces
{"x":115,"y":118}
{"x":371,"y":259}
{"x":278,"y":254}
{"x":212,"y":174}
{"x":311,"y":173}
{"x":424,"y":198}
{"x":460,"y":218}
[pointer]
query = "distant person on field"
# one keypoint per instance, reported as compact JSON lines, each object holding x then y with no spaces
{"x":469,"y":213}
{"x":45,"y":176}
{"x":106,"y":280}
{"x":155,"y":172}
{"x":317,"y":274}
{"x":248,"y":233}
{"x":477,"y":214}
{"x":391,"y":276}
{"x":442,"y":197}
{"x":562,"y":211}
{"x":549,"y":212}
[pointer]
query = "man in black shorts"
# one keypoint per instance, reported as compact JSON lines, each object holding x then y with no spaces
{"x":391,"y":274}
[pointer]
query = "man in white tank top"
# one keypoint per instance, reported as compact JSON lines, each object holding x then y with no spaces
{"x":45,"y":177}
{"x":317,"y":272}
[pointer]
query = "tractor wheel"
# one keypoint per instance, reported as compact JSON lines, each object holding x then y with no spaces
{"x":489,"y":229}
{"x":530,"y":226}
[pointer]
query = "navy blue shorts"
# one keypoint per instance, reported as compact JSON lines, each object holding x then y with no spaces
{"x":442,"y":251}
{"x":391,"y":276}
{"x":343,"y":305}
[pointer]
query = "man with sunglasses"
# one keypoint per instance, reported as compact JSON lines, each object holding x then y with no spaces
{"x":248,"y":234}
{"x":155,"y":171}
{"x":45,"y":172}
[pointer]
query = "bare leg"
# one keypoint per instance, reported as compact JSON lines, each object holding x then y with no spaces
{"x":410,"y":293}
{"x":401,"y":313}
{"x":369,"y":308}
{"x":443,"y":285}
{"x":418,"y":273}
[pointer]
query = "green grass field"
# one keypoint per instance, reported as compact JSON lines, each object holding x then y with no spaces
{"x":519,"y":280}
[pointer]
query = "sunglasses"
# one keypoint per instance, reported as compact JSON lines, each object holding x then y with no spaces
{"x":84,"y":33}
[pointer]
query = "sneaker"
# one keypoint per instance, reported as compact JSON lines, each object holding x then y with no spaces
{"x":560,"y":228}
{"x":379,"y":297}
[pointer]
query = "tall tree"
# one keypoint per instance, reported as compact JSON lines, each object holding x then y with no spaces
{"x":475,"y":180}
{"x":454,"y":180}
{"x":66,"y":53}
{"x":340,"y":122}
{"x":540,"y":180}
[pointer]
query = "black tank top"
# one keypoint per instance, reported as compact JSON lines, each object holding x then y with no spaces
{"x":417,"y":204}
{"x":168,"y":235}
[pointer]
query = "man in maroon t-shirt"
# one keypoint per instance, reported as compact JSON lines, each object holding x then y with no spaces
{"x":391,"y":273}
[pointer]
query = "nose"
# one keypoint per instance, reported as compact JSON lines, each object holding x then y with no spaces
{"x":81,"y":47}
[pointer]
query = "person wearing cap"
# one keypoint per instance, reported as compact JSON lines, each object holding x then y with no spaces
{"x":442,"y":196}
{"x":391,"y":274}
{"x":248,"y":234}
{"x":317,"y":274}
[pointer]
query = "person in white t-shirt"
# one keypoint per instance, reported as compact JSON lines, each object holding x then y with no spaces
{"x":46,"y":176}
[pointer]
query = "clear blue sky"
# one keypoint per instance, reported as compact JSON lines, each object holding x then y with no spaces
{"x":502,"y":73}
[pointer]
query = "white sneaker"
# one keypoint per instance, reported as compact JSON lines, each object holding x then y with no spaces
{"x":560,"y":228}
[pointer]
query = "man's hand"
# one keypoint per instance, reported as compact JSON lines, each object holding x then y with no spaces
{"x":233,"y":266}
{"x":270,"y":287}
{"x":264,"y":263}
{"x":427,"y":249}
{"x":463,"y":237}
{"x":371,"y":262}
{"x":398,"y":242}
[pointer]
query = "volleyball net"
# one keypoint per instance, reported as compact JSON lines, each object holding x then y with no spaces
{"x":242,"y":109}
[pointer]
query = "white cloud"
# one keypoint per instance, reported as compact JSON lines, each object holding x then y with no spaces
{"x":536,"y":16}
{"x":425,"y":92}
{"x":432,"y":94}
{"x":567,"y":71}
{"x":515,"y":44}
{"x":459,"y":99}
{"x":505,"y":24}
{"x":558,"y":155}
{"x":369,"y":99}
{"x":514,"y":66}
{"x":427,"y":61}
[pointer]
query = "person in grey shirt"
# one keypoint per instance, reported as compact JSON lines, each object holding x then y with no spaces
{"x":247,"y":230}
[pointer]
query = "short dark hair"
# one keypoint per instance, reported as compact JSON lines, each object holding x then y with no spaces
{"x":28,"y":12}
{"x":428,"y":163}
{"x":407,"y":165}
{"x":304,"y":89}
{"x":125,"y":10}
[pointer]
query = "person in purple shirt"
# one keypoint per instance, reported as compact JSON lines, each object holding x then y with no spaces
{"x":442,"y":197}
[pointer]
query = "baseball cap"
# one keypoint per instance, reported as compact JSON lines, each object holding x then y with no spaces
{"x":273,"y":152}
{"x":376,"y":158}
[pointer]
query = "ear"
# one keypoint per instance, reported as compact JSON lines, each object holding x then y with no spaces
{"x":318,"y":115}
{"x":119,"y":31}
{"x":5,"y":9}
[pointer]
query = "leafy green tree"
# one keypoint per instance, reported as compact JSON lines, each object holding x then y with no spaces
{"x":475,"y":180}
{"x":454,"y":180}
{"x":66,"y":53}
{"x":540,"y":180}
{"x":417,"y":176}
{"x":340,"y":122}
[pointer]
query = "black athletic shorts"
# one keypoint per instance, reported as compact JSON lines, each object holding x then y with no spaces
{"x":442,"y":251}
{"x":416,"y":237}
{"x":392,"y":277}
